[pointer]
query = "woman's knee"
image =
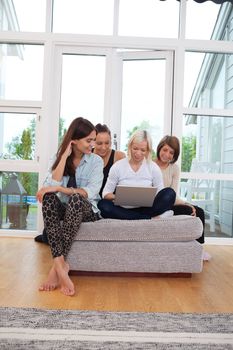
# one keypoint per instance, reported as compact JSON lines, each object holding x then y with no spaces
{"x":76,"y":197}
{"x":168,"y":193}
{"x":105,"y":206}
{"x":49,"y":197}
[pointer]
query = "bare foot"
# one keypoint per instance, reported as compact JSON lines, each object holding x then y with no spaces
{"x":52,"y":281}
{"x":62,"y":269}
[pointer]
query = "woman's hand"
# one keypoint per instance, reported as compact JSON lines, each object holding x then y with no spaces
{"x":110,"y":196}
{"x":40,"y":194}
{"x":193,"y":209}
{"x":68,"y":150}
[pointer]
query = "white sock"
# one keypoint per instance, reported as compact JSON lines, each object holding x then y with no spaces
{"x":166,"y":214}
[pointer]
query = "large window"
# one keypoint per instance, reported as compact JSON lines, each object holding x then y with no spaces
{"x":208,"y":80}
{"x":126,"y":63}
{"x":149,"y":18}
{"x":23,"y":15}
{"x":146,"y":101}
{"x":83,"y":16}
{"x":83,"y":87}
{"x":197,"y":25}
{"x":18,"y":205}
{"x":17,"y":136}
{"x":21,"y":71}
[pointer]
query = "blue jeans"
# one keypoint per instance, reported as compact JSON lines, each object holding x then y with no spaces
{"x":163,"y":201}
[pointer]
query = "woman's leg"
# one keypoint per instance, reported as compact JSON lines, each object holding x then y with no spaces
{"x":109,"y":210}
{"x":78,"y":210}
{"x":201,"y":214}
{"x":187,"y":210}
{"x":53,"y":211}
{"x":61,"y":238}
{"x":163,"y":201}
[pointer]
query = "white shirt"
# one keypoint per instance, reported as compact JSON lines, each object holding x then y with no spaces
{"x":121,"y":173}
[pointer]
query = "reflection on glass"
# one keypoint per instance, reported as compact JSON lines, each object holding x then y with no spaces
{"x":23,"y":15}
{"x":17,"y":136}
{"x":18,"y":205}
{"x":208,"y":139}
{"x":21,"y":71}
{"x":212,"y":28}
{"x":143,"y":98}
{"x":216,"y":199}
{"x":83,"y":84}
{"x":149,"y":18}
{"x":208,"y":80}
{"x":83,"y":16}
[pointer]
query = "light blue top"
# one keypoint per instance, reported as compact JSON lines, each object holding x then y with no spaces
{"x":89,"y":176}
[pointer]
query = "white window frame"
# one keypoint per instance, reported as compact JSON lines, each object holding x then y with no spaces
{"x":33,"y":166}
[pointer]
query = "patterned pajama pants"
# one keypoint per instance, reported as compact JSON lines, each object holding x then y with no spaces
{"x":61,"y":234}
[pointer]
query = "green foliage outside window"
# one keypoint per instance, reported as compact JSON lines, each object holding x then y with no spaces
{"x":23,"y":147}
{"x":188,"y":152}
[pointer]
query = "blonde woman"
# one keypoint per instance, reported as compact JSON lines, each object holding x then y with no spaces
{"x":137,"y":170}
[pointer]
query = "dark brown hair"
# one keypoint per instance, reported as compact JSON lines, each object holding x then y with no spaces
{"x":78,"y":129}
{"x":171,"y":141}
{"x":102,"y":128}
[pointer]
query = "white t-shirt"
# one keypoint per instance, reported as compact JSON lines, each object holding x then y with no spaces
{"x":121,"y":173}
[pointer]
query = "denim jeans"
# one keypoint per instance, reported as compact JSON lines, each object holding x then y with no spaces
{"x":163,"y":201}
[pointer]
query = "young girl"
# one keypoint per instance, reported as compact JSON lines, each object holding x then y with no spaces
{"x":136,"y":170}
{"x":71,"y":194}
{"x":168,"y":151}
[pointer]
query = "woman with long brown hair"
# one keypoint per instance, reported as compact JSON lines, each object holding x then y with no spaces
{"x":70,"y":193}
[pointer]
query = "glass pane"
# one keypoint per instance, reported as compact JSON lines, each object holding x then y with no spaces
{"x":21,"y":71}
{"x":18,"y":206}
{"x":149,"y":18}
{"x":143,"y":98}
{"x":208,"y":139}
{"x":83,"y":16}
{"x":208,"y":80}
{"x":23,"y":15}
{"x":17,"y":136}
{"x":83,"y":83}
{"x":217,"y":25}
{"x":216,"y":199}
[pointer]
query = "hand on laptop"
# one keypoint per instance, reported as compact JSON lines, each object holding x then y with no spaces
{"x":110,"y":196}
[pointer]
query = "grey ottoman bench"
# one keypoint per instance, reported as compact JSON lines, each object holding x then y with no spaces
{"x":158,"y":246}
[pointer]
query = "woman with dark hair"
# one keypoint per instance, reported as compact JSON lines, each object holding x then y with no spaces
{"x":137,"y":170}
{"x":103,"y":148}
{"x":168,"y":151}
{"x":70,"y":193}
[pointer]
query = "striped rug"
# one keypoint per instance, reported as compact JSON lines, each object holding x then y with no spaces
{"x":24,"y":328}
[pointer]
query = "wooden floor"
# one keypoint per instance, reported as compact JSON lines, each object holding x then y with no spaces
{"x":24,"y":264}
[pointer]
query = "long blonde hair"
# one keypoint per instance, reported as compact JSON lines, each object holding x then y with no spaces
{"x":140,"y":136}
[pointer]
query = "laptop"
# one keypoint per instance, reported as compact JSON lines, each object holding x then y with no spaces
{"x":135,"y":196}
